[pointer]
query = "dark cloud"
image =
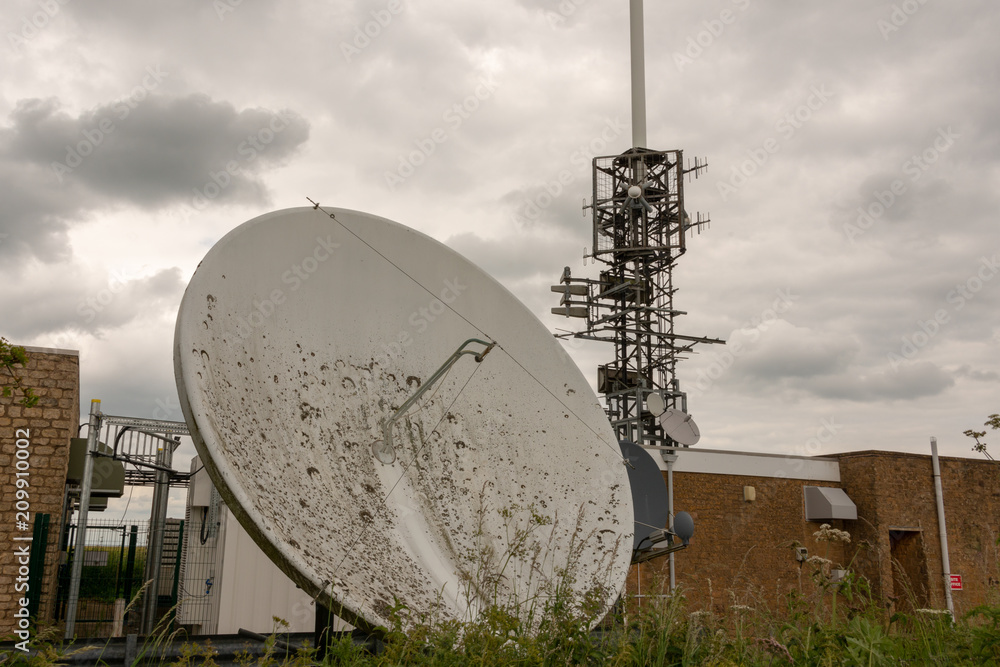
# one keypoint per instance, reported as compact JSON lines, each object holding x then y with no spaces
{"x":35,"y":214}
{"x":780,"y":350}
{"x":906,"y":382}
{"x":34,"y":221}
{"x":157,"y":150}
{"x":967,"y":371}
{"x":56,"y":169}
{"x":797,"y":362}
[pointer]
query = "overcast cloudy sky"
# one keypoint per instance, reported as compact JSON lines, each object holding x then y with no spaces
{"x":852,"y":261}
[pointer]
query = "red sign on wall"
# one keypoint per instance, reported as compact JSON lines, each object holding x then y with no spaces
{"x":956,"y":581}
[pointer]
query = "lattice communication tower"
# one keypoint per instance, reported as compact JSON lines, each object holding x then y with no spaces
{"x":640,"y":229}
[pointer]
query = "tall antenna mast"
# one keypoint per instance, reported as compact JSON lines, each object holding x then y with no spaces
{"x":638,"y":44}
{"x":639,"y":227}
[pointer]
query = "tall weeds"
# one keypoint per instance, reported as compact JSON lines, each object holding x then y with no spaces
{"x":841,"y":623}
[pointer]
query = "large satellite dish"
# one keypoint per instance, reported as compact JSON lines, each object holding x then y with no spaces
{"x":391,"y":425}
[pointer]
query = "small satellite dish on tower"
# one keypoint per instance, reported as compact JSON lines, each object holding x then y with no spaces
{"x":680,"y":427}
{"x":381,"y":416}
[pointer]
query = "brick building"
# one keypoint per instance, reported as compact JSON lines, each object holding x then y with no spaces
{"x":44,"y":432}
{"x":897,"y":517}
{"x":750,"y":514}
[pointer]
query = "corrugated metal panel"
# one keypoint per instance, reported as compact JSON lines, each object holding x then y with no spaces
{"x":254,"y":590}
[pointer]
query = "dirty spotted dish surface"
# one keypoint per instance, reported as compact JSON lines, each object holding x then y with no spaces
{"x":301,"y":333}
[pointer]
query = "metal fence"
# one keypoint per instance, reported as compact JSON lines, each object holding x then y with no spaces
{"x":198,"y":595}
{"x":145,"y":448}
{"x":115,"y":568}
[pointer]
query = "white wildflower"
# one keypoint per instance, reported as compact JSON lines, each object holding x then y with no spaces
{"x":827,"y":533}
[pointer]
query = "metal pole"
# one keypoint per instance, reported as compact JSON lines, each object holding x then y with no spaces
{"x":151,"y":580}
{"x":154,"y":548}
{"x":638,"y":583}
{"x":130,"y":564}
{"x":81,"y":530}
{"x":638,"y":74}
{"x":670,"y":458}
{"x":942,"y":531}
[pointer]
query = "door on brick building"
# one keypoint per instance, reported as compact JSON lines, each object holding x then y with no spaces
{"x":909,"y":569}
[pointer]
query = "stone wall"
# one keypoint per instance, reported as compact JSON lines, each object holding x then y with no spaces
{"x":47,"y":428}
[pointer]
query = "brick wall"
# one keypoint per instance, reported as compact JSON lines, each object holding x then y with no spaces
{"x":55,"y":377}
{"x":870,"y":541}
{"x":742,"y":552}
{"x":895,"y":491}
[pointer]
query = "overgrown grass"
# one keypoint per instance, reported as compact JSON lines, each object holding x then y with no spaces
{"x":838,"y":623}
{"x":662,"y":632}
